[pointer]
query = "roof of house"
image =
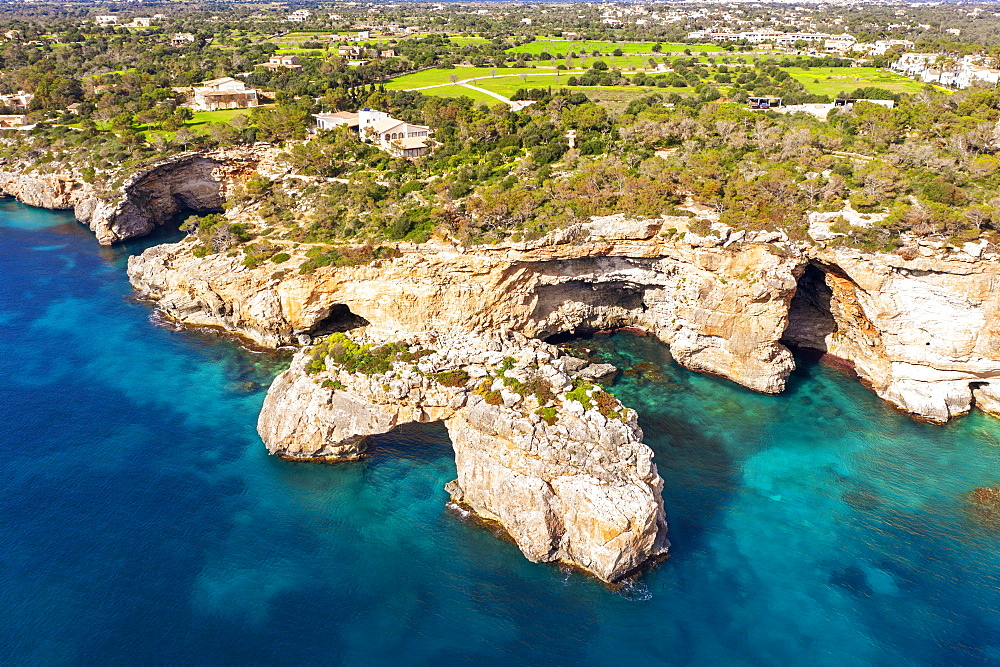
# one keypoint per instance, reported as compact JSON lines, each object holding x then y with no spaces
{"x":384,"y":125}
{"x":346,"y":115}
{"x":412,"y":142}
{"x":218,"y":82}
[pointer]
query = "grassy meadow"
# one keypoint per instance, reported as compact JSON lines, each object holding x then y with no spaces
{"x":833,"y":80}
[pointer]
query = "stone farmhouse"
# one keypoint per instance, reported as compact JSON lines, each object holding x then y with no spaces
{"x":223,"y":93}
{"x":286,"y":61}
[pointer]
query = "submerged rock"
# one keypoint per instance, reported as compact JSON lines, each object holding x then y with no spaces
{"x":598,"y":373}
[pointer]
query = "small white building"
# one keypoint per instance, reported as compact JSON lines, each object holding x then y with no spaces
{"x":223,"y":93}
{"x":105,"y":20}
{"x":182,"y":38}
{"x":394,"y":136}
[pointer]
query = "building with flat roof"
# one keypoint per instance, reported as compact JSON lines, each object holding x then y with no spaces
{"x":222,"y":93}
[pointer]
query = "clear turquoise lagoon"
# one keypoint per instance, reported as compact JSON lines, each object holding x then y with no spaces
{"x":141,"y":521}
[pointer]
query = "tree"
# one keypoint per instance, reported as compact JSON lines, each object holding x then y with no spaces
{"x":184,"y":137}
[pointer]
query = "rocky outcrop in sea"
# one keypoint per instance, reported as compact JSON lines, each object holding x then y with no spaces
{"x":546,"y":455}
{"x":564,"y":473}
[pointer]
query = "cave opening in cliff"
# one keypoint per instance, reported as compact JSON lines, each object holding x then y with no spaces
{"x":589,"y":306}
{"x":338,"y":318}
{"x":810,"y":320}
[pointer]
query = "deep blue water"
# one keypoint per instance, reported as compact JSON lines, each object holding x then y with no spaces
{"x":141,"y":521}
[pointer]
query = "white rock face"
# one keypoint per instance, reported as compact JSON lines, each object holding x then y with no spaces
{"x":720,"y":310}
{"x":52,"y":191}
{"x":578,"y":488}
{"x":924,"y":334}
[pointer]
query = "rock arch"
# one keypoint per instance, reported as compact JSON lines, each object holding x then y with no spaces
{"x":576,"y":487}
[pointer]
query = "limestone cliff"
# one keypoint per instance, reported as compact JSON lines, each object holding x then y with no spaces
{"x":722,"y":310}
{"x":923,"y":333}
{"x":565,"y":474}
{"x":198,"y":182}
{"x":53,"y":191}
{"x":920,"y":330}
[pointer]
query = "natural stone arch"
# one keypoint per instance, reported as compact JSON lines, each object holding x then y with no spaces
{"x":580,"y":489}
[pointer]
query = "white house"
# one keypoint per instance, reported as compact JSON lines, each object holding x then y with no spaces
{"x":970,"y":75}
{"x":397,"y":137}
{"x":883,"y":46}
{"x":223,"y":93}
{"x":19,"y":101}
{"x":182,"y":38}
{"x":329,"y":121}
{"x":105,"y":20}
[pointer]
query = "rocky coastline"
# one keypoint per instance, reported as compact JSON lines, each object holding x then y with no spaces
{"x":564,"y":474}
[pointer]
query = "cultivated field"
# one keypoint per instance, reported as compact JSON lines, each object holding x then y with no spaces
{"x":833,"y":80}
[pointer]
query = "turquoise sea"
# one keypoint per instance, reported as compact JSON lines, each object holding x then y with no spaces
{"x":141,"y":521}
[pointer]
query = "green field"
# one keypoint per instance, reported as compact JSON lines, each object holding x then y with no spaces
{"x":438,"y":75}
{"x":199,"y":118}
{"x":300,"y":52}
{"x":462,"y":91}
{"x":833,"y":80}
{"x":563,"y":47}
{"x":508,"y":85}
{"x":463,"y":41}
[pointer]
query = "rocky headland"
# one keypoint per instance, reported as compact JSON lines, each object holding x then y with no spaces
{"x":551,"y":458}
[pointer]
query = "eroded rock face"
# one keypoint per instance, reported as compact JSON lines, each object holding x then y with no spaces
{"x":923,"y":333}
{"x":569,"y":482}
{"x":196,"y":182}
{"x":722,"y":310}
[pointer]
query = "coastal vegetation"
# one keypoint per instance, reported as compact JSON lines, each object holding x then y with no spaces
{"x":659,"y":125}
